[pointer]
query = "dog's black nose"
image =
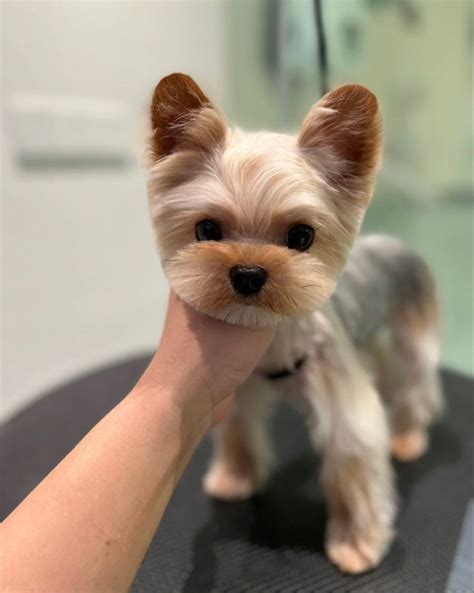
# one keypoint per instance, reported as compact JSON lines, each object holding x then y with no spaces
{"x":247,"y":280}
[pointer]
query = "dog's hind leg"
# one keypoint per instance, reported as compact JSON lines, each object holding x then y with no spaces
{"x":414,"y":398}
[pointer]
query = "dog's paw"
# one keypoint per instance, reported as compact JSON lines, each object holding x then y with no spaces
{"x":357,"y":552}
{"x":220,"y":483}
{"x":348,"y":558}
{"x":409,"y":445}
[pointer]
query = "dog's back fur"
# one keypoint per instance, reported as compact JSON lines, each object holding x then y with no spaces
{"x":382,"y":276}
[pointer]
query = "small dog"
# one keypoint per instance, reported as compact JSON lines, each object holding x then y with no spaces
{"x":256,"y":229}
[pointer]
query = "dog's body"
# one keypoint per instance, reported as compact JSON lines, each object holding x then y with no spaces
{"x":256,"y":229}
{"x":350,"y":370}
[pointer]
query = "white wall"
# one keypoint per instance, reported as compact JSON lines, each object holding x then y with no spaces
{"x":81,"y":282}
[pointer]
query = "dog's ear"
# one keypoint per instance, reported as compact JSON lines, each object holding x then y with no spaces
{"x":342,"y":138}
{"x":183,"y":118}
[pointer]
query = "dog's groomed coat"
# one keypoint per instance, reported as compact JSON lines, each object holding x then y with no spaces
{"x":256,"y":229}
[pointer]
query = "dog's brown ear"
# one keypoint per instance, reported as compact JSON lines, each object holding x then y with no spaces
{"x":342,"y":138}
{"x":183,"y":118}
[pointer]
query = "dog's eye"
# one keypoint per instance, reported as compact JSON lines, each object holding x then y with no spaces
{"x":300,"y":237}
{"x":208,"y":230}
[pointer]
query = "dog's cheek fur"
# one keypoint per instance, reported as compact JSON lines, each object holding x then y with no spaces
{"x":199,"y":275}
{"x":297,"y":282}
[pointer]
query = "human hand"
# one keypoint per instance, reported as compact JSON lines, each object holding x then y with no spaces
{"x":110,"y":492}
{"x":201,"y":361}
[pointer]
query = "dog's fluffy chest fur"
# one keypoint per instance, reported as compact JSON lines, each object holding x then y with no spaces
{"x":291,"y":342}
{"x":294,"y":340}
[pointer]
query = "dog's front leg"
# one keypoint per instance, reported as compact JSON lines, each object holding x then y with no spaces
{"x":242,"y":451}
{"x":352,"y":432}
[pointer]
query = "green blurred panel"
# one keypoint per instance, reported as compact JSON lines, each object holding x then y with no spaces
{"x":416,"y":55}
{"x":442,"y":233}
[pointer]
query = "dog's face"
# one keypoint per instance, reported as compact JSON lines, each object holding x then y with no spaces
{"x":253,"y":228}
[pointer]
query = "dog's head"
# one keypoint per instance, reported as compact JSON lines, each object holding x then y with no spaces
{"x":252,"y":228}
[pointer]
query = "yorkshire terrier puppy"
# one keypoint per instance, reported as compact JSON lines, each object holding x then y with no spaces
{"x":257,"y":229}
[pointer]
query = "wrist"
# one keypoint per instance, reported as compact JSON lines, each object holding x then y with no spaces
{"x":180,"y":383}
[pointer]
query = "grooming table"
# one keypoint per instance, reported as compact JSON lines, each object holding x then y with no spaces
{"x":273,"y":543}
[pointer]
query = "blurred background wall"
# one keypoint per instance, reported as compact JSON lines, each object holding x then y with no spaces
{"x":417,"y":56}
{"x":81,"y":282}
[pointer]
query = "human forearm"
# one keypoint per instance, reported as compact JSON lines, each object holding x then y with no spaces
{"x":87,"y":526}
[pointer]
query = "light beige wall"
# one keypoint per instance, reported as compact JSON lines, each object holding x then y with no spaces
{"x":81,"y":282}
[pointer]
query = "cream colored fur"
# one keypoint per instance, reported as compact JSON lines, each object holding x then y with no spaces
{"x":256,"y":187}
{"x":347,"y":424}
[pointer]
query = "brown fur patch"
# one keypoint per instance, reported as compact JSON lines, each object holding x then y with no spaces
{"x":342,"y":134}
{"x":296,"y":282}
{"x":410,"y":383}
{"x":183,"y":118}
{"x":418,"y":316}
